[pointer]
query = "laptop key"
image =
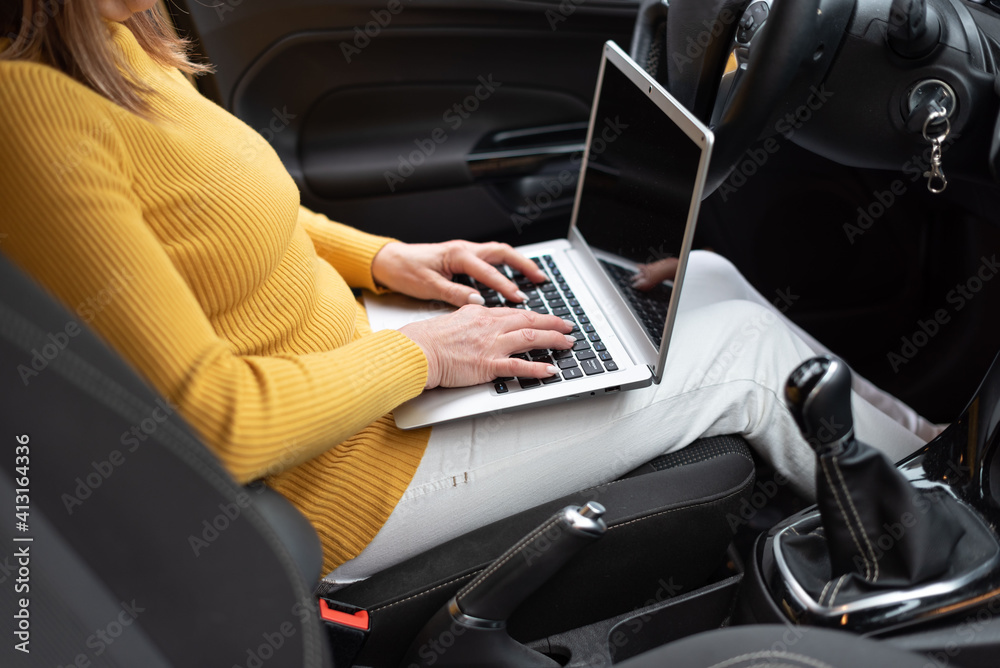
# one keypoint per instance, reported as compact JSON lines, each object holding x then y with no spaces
{"x":595,"y":337}
{"x":562,"y":354}
{"x":585,"y":355}
{"x":538,"y":352}
{"x":611,"y":366}
{"x":600,"y":346}
{"x":561,"y":311}
{"x":551,"y":379}
{"x":605,"y":356}
{"x":591,"y":367}
{"x":570,"y":374}
{"x":588,"y":328}
{"x":501,"y":388}
{"x":582,"y":345}
{"x":567,"y":363}
{"x":529,"y":382}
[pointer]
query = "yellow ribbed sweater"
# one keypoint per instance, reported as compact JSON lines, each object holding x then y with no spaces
{"x":182,"y":242}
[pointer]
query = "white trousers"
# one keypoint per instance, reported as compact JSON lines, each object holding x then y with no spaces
{"x":729,"y":358}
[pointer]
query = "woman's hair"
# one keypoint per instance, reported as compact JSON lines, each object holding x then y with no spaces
{"x":71,"y":36}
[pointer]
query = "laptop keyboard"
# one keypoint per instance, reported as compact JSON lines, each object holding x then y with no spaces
{"x":588,"y":357}
{"x":650,"y":306}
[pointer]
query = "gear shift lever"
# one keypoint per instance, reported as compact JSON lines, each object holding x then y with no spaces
{"x":880,"y":531}
{"x":819,"y":396}
{"x":878,"y":552}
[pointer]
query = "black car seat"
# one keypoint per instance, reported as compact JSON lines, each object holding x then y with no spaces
{"x":136,"y":526}
{"x":143,"y":550}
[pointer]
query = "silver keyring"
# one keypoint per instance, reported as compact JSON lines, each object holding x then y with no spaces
{"x":933,"y":117}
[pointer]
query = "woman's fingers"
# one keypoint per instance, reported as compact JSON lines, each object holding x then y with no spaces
{"x":478,"y":260}
{"x":453,"y":293}
{"x":488,"y":275}
{"x":515,"y":367}
{"x":651,"y":275}
{"x":474,"y":344}
{"x":504,"y":254}
{"x":522,"y":319}
{"x":523,"y":340}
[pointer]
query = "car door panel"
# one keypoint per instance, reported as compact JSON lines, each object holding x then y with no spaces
{"x":422,"y":120}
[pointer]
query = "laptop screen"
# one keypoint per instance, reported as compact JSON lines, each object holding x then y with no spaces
{"x":640,"y":177}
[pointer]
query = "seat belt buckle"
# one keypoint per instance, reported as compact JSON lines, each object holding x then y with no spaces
{"x":358,"y":619}
{"x":347,"y":628}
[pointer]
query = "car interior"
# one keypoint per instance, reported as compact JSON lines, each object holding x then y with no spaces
{"x":854,"y":183}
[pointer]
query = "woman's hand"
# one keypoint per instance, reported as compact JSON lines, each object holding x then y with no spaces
{"x":651,"y":275}
{"x":425,"y":270}
{"x":473,"y":345}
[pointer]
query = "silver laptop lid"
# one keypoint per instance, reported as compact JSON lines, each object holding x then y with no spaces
{"x":640,"y":188}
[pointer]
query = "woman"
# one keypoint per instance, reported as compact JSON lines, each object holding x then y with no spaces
{"x":174,"y":230}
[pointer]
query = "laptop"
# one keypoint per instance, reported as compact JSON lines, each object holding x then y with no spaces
{"x":637,"y":201}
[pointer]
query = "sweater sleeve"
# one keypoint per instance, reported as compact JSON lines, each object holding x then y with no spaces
{"x":349,"y":250}
{"x":72,"y":221}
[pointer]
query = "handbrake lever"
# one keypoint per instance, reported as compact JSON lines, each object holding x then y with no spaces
{"x":475,"y":620}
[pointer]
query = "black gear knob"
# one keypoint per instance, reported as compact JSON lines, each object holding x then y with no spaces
{"x":818,"y":394}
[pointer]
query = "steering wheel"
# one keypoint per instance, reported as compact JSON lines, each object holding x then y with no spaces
{"x":736,"y":63}
{"x":749,"y":68}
